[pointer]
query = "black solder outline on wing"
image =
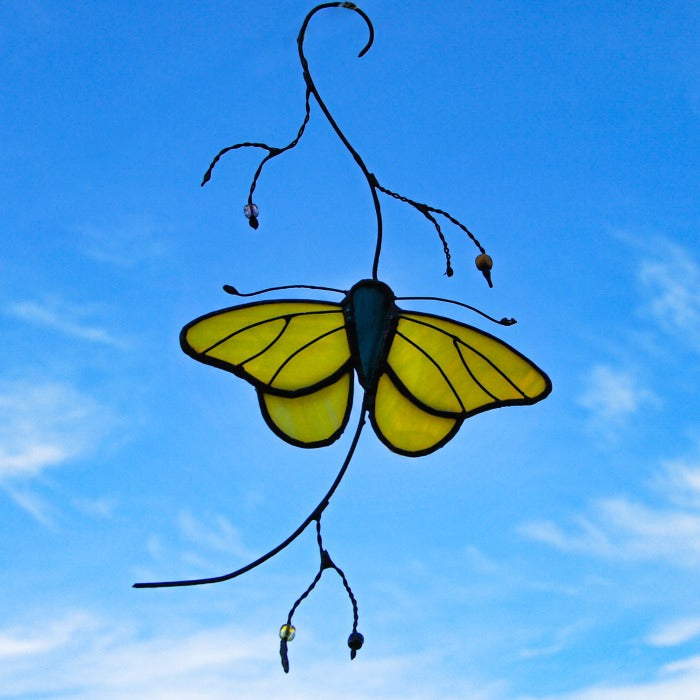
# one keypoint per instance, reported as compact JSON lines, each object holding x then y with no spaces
{"x":239,"y":369}
{"x":462,"y":416}
{"x":524,"y":400}
{"x":319,"y":443}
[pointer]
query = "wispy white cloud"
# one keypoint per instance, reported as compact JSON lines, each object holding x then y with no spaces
{"x":65,"y":318}
{"x":198,"y":548}
{"x":672,"y":285}
{"x":155,"y":548}
{"x":31,"y":641}
{"x":688,"y":665}
{"x":612,"y":395}
{"x":86,"y":658}
{"x":44,"y":425}
{"x":678,"y":680}
{"x":216,"y":534}
{"x":481,"y":563}
{"x":31,"y":457}
{"x":626,"y":531}
{"x":124,"y":246}
{"x":558,"y":641}
{"x":674,"y":633}
{"x":585,"y":537}
{"x":631,"y":530}
{"x":32,"y":503}
{"x":679,"y":481}
{"x":100,"y":508}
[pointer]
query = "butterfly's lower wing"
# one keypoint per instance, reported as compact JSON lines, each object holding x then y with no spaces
{"x":310,"y":420}
{"x":439,"y":372}
{"x":406,"y":427}
{"x":296,"y":355}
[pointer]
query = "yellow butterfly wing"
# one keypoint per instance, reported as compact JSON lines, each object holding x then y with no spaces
{"x":295,"y":353}
{"x":439,"y":372}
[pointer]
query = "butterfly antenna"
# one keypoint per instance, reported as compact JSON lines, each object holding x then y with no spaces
{"x":315,"y":515}
{"x":232,"y":290}
{"x":501,"y":322}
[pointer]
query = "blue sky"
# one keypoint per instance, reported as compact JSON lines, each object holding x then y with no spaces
{"x":546,"y":553}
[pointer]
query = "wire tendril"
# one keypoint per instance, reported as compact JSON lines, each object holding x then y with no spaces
{"x":315,"y":515}
{"x":272,"y":152}
{"x":326,"y":563}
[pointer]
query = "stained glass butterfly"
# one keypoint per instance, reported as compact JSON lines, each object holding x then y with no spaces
{"x":421,"y":375}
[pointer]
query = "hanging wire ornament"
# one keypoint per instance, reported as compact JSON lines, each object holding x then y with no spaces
{"x":421,"y":375}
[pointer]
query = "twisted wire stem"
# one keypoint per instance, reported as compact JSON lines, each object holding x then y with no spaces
{"x":272,"y":152}
{"x":315,"y":515}
{"x":426,"y":210}
{"x":372,"y":181}
{"x":326,"y":563}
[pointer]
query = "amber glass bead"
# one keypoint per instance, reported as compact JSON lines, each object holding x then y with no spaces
{"x":287,"y":632}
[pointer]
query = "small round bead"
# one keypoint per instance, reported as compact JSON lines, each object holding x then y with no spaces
{"x":355,"y":641}
{"x":287,"y":632}
{"x":251,"y":211}
{"x":483,"y":262}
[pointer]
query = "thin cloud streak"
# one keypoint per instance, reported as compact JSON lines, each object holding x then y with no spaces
{"x":680,"y":481}
{"x":626,"y":531}
{"x":216,"y":535}
{"x":89,"y":658}
{"x":198,"y":547}
{"x":31,"y":459}
{"x":673,"y":287}
{"x":675,"y":633}
{"x":675,"y":681}
{"x":83,"y":656}
{"x":102,"y":508}
{"x":612,"y":396}
{"x":62,"y":318}
{"x":629,"y":530}
{"x":45,"y":425}
{"x":33,"y":504}
{"x":124,"y":246}
{"x":17,"y":643}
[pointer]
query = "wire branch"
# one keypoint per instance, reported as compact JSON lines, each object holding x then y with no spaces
{"x":315,"y":515}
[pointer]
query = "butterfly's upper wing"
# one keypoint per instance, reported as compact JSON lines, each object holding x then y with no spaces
{"x":439,"y":372}
{"x":295,"y":353}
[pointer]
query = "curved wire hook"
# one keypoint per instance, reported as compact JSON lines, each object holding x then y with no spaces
{"x":371,"y":179}
{"x":347,"y":6}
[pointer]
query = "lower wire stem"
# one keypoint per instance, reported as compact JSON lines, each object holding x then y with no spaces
{"x":315,"y":515}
